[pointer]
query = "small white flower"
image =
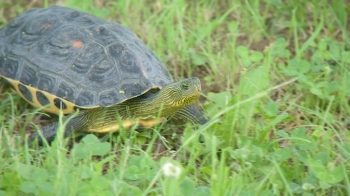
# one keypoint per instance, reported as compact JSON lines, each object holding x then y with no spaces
{"x":171,"y":170}
{"x":307,"y":186}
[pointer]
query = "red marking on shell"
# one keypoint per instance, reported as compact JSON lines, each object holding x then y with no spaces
{"x":77,"y":44}
{"x":47,"y":26}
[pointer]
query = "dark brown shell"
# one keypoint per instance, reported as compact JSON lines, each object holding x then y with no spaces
{"x":80,"y":58}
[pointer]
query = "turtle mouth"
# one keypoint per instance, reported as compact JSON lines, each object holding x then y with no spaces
{"x":199,"y":87}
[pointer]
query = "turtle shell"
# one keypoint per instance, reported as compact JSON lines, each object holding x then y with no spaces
{"x":72,"y":59}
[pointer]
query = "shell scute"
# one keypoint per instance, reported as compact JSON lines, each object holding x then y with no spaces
{"x":105,"y":75}
{"x":67,"y":90}
{"x":85,"y":98}
{"x":89,"y":57}
{"x":10,"y":68}
{"x":29,"y":75}
{"x":109,"y":97}
{"x":47,"y":82}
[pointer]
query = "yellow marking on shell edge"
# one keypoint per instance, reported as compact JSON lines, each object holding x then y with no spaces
{"x":51,"y":107}
{"x":127,"y":124}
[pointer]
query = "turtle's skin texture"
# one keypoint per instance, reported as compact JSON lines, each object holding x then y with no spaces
{"x":65,"y":60}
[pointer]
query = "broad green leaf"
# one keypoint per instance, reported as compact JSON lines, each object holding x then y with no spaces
{"x":282,"y":133}
{"x":221,"y":99}
{"x":28,"y":187}
{"x":322,"y":45}
{"x":196,"y":58}
{"x":90,"y":139}
{"x":282,"y":154}
{"x":242,"y":51}
{"x":271,"y":108}
{"x":187,"y":187}
{"x":25,"y":171}
{"x":317,"y":91}
{"x":279,"y":48}
{"x":3,"y":193}
{"x":324,"y":185}
{"x":132,"y":172}
{"x":254,"y":81}
{"x":332,"y":176}
{"x":101,"y":149}
{"x":256,"y":56}
{"x":91,"y":146}
{"x":295,"y":188}
{"x":202,"y":191}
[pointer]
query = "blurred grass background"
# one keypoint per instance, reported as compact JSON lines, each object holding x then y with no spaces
{"x":275,"y":78}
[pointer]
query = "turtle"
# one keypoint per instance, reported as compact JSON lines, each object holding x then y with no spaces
{"x":97,"y":73}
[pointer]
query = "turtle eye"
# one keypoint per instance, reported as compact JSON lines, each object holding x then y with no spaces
{"x":184,"y":86}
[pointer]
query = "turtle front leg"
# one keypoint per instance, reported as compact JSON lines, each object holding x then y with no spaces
{"x":189,"y":114}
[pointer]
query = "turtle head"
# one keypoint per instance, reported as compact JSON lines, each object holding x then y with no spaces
{"x":177,"y":95}
{"x":180,"y":94}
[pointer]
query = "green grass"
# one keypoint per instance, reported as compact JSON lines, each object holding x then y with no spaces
{"x":275,"y":79}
